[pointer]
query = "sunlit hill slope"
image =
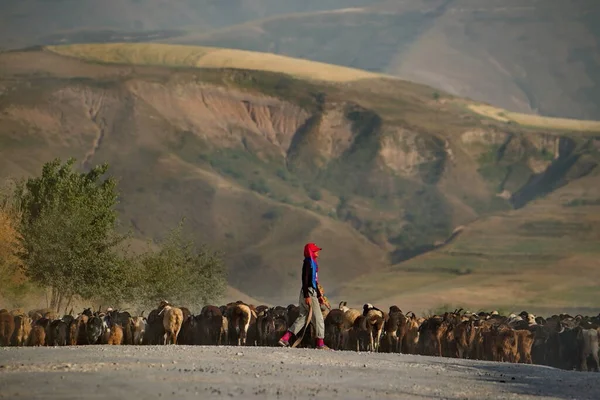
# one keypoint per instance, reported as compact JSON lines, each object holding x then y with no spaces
{"x":405,"y":187}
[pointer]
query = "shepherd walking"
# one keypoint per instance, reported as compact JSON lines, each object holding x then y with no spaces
{"x":310,"y":295}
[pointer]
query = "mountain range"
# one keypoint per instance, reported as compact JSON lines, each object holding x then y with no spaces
{"x":430,"y":147}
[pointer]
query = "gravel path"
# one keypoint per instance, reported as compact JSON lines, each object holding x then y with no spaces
{"x":181,"y":372}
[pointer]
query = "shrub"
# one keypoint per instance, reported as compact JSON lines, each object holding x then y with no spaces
{"x":181,"y":272}
{"x":283,"y":174}
{"x":272,"y":214}
{"x":314,"y":194}
{"x":260,"y":186}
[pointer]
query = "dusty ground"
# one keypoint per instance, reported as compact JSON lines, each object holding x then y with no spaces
{"x":133,"y":372}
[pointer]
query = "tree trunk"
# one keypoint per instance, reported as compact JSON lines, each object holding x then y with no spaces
{"x":59,"y":301}
{"x":53,"y":298}
{"x":69,"y":298}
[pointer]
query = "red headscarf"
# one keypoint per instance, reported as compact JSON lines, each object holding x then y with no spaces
{"x":310,"y":249}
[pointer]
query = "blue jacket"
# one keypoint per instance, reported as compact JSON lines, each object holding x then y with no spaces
{"x":309,"y":276}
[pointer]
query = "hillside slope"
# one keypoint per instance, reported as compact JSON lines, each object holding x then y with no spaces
{"x":40,"y":22}
{"x":210,"y":57}
{"x":543,"y":258}
{"x":525,"y":56}
{"x":375,"y":170}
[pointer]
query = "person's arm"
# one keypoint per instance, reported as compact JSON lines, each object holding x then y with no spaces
{"x":306,"y":277}
{"x":314,"y":271}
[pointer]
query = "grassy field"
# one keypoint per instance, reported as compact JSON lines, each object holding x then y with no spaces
{"x":542,"y":258}
{"x":536,"y":121}
{"x":209,"y":57}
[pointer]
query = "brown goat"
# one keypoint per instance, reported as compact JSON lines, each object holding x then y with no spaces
{"x":7,"y":327}
{"x":77,"y":330}
{"x":334,"y":330}
{"x":22,"y":330}
{"x":116,"y":335}
{"x":172,"y":321}
{"x":224,"y":336}
{"x":360,"y":335}
{"x":138,"y":329}
{"x":395,"y":330}
{"x":482,"y":342}
{"x":376,"y":319}
{"x":37,"y":336}
{"x":375,"y":322}
{"x":38,"y":314}
{"x":241,"y":318}
{"x":430,"y":336}
{"x":464,"y":334}
{"x":410,"y":341}
{"x":211,"y":325}
{"x":589,"y":350}
{"x":350,"y":315}
{"x":17,"y":311}
{"x":504,"y":348}
{"x":448,"y":340}
{"x":488,"y":340}
{"x":525,"y":340}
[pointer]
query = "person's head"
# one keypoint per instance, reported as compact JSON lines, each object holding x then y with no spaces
{"x":311,"y":250}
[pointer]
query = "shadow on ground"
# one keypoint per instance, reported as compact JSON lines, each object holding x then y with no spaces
{"x":531,"y":380}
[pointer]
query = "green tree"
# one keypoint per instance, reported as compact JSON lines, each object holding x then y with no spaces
{"x":68,"y":232}
{"x":181,"y":272}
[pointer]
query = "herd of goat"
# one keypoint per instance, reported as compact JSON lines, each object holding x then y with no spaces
{"x":561,"y":341}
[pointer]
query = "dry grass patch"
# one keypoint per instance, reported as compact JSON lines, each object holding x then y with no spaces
{"x":538,"y":121}
{"x":210,"y":57}
{"x":552,"y":286}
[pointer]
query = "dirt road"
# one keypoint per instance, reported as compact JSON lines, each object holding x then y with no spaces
{"x":181,"y":372}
